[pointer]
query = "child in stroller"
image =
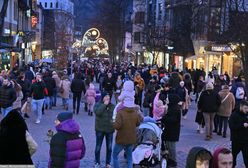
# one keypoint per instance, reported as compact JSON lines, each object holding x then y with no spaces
{"x":147,"y":152}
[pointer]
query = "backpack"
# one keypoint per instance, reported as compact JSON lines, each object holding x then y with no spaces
{"x":240,"y":93}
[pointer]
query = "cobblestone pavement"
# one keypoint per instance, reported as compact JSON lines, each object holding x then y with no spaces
{"x":188,"y":138}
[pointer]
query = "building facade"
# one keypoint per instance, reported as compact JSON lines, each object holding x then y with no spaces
{"x":209,"y":53}
{"x":58,"y":30}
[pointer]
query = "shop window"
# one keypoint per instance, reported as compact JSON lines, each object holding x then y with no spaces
{"x":51,"y":5}
{"x":45,"y":4}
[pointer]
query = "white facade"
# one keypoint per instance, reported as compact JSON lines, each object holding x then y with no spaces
{"x":65,"y":5}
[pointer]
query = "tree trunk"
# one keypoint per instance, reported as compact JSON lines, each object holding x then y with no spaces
{"x":244,"y":58}
{"x":2,"y":16}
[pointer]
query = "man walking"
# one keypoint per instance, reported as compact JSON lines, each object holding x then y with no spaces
{"x":126,"y":122}
{"x":239,"y":132}
{"x":7,"y":97}
{"x":77,"y":87}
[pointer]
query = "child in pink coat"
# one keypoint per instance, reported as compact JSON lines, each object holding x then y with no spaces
{"x":90,"y":97}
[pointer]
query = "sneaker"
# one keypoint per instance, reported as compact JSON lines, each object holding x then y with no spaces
{"x":108,"y":166}
{"x":219,"y":133}
{"x":201,"y":131}
{"x":97,"y":165}
{"x":185,"y":117}
{"x":208,"y":138}
{"x":37,"y":121}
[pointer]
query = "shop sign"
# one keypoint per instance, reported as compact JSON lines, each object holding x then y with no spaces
{"x":221,"y":48}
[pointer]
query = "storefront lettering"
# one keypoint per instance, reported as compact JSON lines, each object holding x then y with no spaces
{"x":221,"y":48}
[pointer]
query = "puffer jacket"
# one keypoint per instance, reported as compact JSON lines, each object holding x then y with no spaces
{"x":67,"y":146}
{"x":7,"y":96}
{"x":104,"y":113}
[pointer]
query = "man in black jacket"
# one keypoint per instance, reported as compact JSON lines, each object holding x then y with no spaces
{"x":238,"y":124}
{"x":109,"y":84}
{"x":7,"y":97}
{"x":77,"y":87}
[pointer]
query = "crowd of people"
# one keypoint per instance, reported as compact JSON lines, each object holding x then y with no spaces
{"x":127,"y":96}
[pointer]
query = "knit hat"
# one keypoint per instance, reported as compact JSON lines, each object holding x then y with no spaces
{"x":209,"y":86}
{"x":64,"y":116}
{"x":103,"y":94}
{"x":128,"y":86}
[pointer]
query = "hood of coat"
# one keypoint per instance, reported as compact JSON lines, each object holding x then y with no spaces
{"x":192,"y":156}
{"x":224,"y":91}
{"x":69,"y":126}
{"x":216,"y":155}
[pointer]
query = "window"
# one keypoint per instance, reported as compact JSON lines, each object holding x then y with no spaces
{"x":57,"y":5}
{"x":45,"y":4}
{"x":137,"y":37}
{"x":51,"y":5}
{"x":16,"y":10}
{"x":140,"y":17}
{"x":160,"y":8}
{"x":40,"y":4}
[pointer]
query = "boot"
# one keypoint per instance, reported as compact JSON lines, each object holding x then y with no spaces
{"x":88,"y":113}
{"x":91,"y":113}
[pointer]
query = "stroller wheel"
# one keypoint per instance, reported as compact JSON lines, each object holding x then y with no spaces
{"x":163,"y":163}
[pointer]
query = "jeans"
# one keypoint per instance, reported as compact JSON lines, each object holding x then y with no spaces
{"x":128,"y":149}
{"x":216,"y":122}
{"x":99,"y":139}
{"x":54,"y":98}
{"x":76,"y":98}
{"x":236,"y":148}
{"x":48,"y":101}
{"x":37,"y":107}
{"x":5,"y":111}
{"x":209,"y":121}
{"x":221,"y":121}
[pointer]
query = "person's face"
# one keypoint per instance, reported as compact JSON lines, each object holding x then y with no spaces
{"x":106,"y":98}
{"x":225,"y":160}
{"x":202,"y":164}
{"x":56,"y":122}
{"x":244,"y":109}
{"x":109,"y":75}
{"x":5,"y":82}
{"x":38,"y":77}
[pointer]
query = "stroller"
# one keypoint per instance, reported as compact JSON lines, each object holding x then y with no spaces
{"x":147,"y":152}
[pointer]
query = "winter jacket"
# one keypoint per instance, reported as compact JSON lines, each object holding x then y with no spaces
{"x":77,"y":86}
{"x":7,"y":96}
{"x":181,"y":92}
{"x":126,"y":122}
{"x":26,"y":85}
{"x":108,"y":84}
{"x":50,"y":84}
{"x":200,"y":86}
{"x":158,"y":108}
{"x":37,"y":90}
{"x":192,"y":156}
{"x":67,"y":146}
{"x":235,"y":87}
{"x":57,"y":80}
{"x":90,"y":96}
{"x":209,"y":102}
{"x":228,"y":105}
{"x":236,"y":123}
{"x":66,"y":85}
{"x":103,"y":121}
{"x":13,"y":145}
{"x":172,"y":120}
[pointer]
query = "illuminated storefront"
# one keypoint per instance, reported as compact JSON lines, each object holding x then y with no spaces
{"x":219,"y":57}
